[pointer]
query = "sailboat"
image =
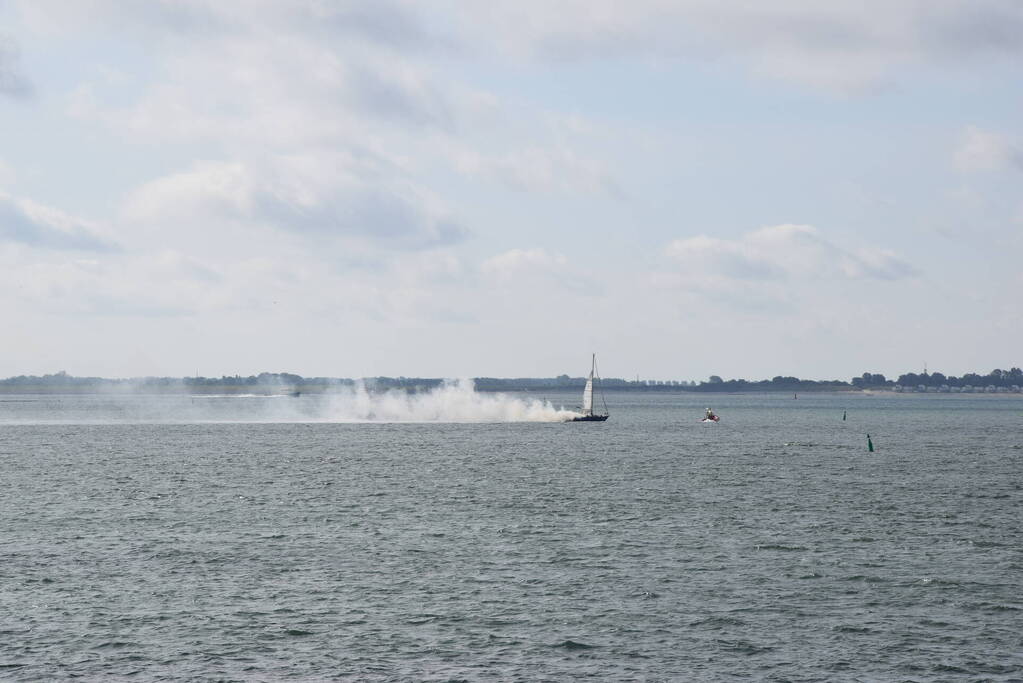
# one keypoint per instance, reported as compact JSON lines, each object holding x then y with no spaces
{"x":588,"y":414}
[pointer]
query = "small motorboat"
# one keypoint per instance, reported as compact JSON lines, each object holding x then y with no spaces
{"x":710,"y":417}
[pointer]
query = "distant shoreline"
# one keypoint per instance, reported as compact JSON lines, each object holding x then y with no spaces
{"x":997,"y":382}
{"x":128,"y":389}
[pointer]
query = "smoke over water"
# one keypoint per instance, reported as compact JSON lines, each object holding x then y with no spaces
{"x":452,"y":402}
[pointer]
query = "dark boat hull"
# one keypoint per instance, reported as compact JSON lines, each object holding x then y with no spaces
{"x":590,"y":418}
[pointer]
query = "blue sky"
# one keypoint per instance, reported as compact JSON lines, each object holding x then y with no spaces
{"x":455,"y":189}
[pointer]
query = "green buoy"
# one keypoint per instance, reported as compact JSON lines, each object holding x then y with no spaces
{"x":870,"y":444}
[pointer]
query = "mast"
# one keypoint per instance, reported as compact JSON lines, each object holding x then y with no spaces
{"x":588,"y":391}
{"x":596,"y":375}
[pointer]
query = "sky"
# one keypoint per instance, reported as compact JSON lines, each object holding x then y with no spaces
{"x":457,"y":189}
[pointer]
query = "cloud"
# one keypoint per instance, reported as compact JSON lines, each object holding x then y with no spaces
{"x":301,"y":131}
{"x":842,"y":45}
{"x":775,"y":254}
{"x":981,"y":150}
{"x":13,"y":82}
{"x":393,"y":24}
{"x":555,"y":169}
{"x":280,"y":90}
{"x":318,"y":197}
{"x":156,"y":283}
{"x":26,"y":222}
{"x":782,"y":272}
{"x":403,"y":94}
{"x":518,"y":262}
{"x":536,"y":268}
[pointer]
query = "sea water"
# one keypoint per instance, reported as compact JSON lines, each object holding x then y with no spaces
{"x":222,"y":538}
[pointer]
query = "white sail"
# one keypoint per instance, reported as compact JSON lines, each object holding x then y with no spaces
{"x":587,"y":410}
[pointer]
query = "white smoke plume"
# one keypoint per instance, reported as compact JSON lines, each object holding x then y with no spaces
{"x":453,"y":402}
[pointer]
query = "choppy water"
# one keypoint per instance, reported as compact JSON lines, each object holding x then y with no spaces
{"x":652,"y":547}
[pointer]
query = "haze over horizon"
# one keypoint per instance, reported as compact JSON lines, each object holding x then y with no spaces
{"x":354,"y":189}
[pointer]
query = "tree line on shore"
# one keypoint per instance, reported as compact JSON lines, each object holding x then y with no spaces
{"x":268,"y":382}
{"x":996,"y":378}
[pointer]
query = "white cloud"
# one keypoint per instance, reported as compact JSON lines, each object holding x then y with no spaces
{"x":27,"y":222}
{"x":426,"y":286}
{"x":209,"y":187}
{"x":434,"y":267}
{"x":795,"y":253}
{"x":277,"y":90}
{"x":517,"y":263}
{"x":537,"y":269}
{"x":319,"y":197}
{"x":160,"y":284}
{"x":541,"y":169}
{"x":300,"y":131}
{"x":394,"y":24}
{"x":843,"y":45}
{"x":982,"y":150}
